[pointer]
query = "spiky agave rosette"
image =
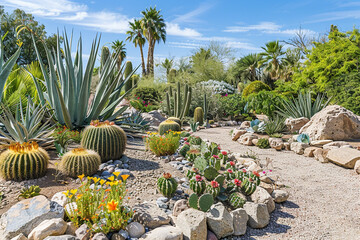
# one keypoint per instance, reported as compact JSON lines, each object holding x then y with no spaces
{"x":23,"y":161}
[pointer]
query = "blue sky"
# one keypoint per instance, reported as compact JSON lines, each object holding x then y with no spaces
{"x":244,"y":26}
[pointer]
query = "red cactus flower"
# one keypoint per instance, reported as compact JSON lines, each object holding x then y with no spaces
{"x":244,"y":170}
{"x":250,"y":179}
{"x":187,"y":143}
{"x":232,"y":163}
{"x":185,"y":139}
{"x":230,"y":171}
{"x":198,"y":178}
{"x":214,"y":184}
{"x":237,"y":182}
{"x":219,"y":148}
{"x":215,"y":156}
{"x":256,"y":173}
{"x":224,"y":153}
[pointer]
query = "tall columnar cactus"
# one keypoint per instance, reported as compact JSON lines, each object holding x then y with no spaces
{"x":23,"y":161}
{"x":181,"y":103}
{"x":199,"y":115}
{"x":175,"y":119}
{"x":167,"y":185}
{"x":213,"y":189}
{"x":105,"y":54}
{"x":171,"y":76}
{"x":104,"y":138}
{"x":237,"y":200}
{"x":128,"y":70}
{"x":206,"y":108}
{"x":198,"y":184}
{"x":167,"y":125}
{"x":80,"y":161}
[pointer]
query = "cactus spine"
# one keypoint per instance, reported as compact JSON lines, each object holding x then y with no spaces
{"x":23,"y":161}
{"x":80,"y":161}
{"x":167,"y":185}
{"x":237,"y":200}
{"x":177,"y":120}
{"x":127,"y":72}
{"x":199,"y":115}
{"x":167,"y":125}
{"x":181,"y":106}
{"x":105,"y":138}
{"x":197,"y":184}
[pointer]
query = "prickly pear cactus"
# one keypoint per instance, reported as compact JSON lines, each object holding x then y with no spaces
{"x":200,"y":163}
{"x":237,"y":200}
{"x":210,"y":173}
{"x":193,"y":201}
{"x":167,"y":185}
{"x":205,"y":202}
{"x":198,"y":184}
{"x":220,"y":179}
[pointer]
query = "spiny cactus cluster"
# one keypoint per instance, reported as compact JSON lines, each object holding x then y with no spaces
{"x":213,"y":189}
{"x":181,"y":103}
{"x":202,"y":202}
{"x":23,"y":161}
{"x":198,"y":184}
{"x":167,"y":125}
{"x":175,"y":119}
{"x":105,"y":138}
{"x":237,"y":200}
{"x":195,"y":140}
{"x":183,"y":151}
{"x":199,"y":115}
{"x":80,"y":161}
{"x":167,"y":185}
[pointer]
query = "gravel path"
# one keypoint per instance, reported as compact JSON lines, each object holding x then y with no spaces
{"x":324,"y":200}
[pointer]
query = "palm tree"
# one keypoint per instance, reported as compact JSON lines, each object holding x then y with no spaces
{"x":184,"y":65}
{"x":250,"y":66}
{"x":290,"y":63}
{"x":167,"y":64}
{"x":154,"y":29}
{"x":272,"y":56}
{"x":136,"y":36}
{"x":119,"y":46}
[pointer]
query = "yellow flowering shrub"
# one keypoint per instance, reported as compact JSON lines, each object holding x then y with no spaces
{"x":101,"y":205}
{"x":162,"y":145}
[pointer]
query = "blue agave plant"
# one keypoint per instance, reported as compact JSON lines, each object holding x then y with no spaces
{"x":303,"y":138}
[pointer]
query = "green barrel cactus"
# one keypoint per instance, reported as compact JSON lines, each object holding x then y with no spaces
{"x":213,"y":189}
{"x":199,"y":115}
{"x":80,"y":161}
{"x":167,"y":125}
{"x":191,"y":173}
{"x":237,"y":200}
{"x":23,"y":161}
{"x":175,"y":119}
{"x":198,"y":184}
{"x":105,"y":138}
{"x":248,"y":187}
{"x":127,"y":72}
{"x":167,"y":185}
{"x":183,"y":151}
{"x":203,"y":203}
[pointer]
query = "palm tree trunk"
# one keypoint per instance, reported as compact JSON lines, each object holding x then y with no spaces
{"x":142,"y":60}
{"x":149,"y":55}
{"x":152,"y":57}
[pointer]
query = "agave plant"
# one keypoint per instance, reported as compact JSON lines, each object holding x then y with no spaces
{"x":27,"y":126}
{"x":256,"y":126}
{"x":194,"y":126}
{"x":67,"y":85}
{"x":133,"y":122}
{"x":303,"y":106}
{"x":275,"y":125}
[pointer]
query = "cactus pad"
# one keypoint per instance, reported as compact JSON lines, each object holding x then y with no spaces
{"x":205,"y":202}
{"x":210,"y":173}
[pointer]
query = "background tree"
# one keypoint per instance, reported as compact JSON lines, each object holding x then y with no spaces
{"x":136,"y":36}
{"x":167,"y":64}
{"x":119,"y":46}
{"x":272,"y":58}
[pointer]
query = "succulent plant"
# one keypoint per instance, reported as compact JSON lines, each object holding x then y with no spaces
{"x":210,"y":173}
{"x":167,"y":125}
{"x":303,"y":138}
{"x":23,"y":161}
{"x":195,"y":140}
{"x":181,"y":104}
{"x":104,"y":138}
{"x":200,"y":163}
{"x":192,"y":173}
{"x":184,"y":150}
{"x":192,"y":154}
{"x":167,"y":185}
{"x":213,"y":189}
{"x":194,"y":126}
{"x":203,"y":203}
{"x":127,"y":72}
{"x":237,"y":200}
{"x":29,"y":192}
{"x":248,"y":187}
{"x":199,"y":115}
{"x":198,"y":184}
{"x":175,"y":119}
{"x":80,"y":161}
{"x":215,"y":162}
{"x":263,"y":143}
{"x":220,"y":179}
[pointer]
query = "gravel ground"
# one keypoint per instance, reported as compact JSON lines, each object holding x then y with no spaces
{"x":324,"y":200}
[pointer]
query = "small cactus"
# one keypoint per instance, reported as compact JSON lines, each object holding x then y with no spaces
{"x":195,"y":140}
{"x":200,"y":163}
{"x":248,"y":187}
{"x":168,"y":125}
{"x":210,"y":173}
{"x":105,"y":138}
{"x":237,"y":200}
{"x":191,"y":173}
{"x":183,"y":151}
{"x":204,"y":202}
{"x":303,"y":138}
{"x":197,"y":184}
{"x":128,"y":70}
{"x":23,"y":161}
{"x":199,"y":115}
{"x":213,"y":189}
{"x":167,"y":185}
{"x":80,"y":161}
{"x":175,"y":119}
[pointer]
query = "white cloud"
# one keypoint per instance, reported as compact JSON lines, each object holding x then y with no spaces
{"x":337,"y":15}
{"x":175,"y":30}
{"x":242,"y":45}
{"x":191,"y":16}
{"x":185,"y":45}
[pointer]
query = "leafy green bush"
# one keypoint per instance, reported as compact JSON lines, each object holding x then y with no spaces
{"x":266,"y":102}
{"x":263,"y":143}
{"x":148,"y":94}
{"x":162,"y":145}
{"x":255,"y":87}
{"x":143,"y":106}
{"x":233,"y":106}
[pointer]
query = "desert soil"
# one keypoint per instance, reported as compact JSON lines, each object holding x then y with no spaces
{"x":324,"y":200}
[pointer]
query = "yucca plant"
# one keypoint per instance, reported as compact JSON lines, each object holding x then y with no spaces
{"x":302,"y":106}
{"x":275,"y":125}
{"x":67,"y":84}
{"x":25,"y":126}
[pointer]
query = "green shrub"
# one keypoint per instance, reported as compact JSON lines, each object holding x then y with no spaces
{"x":275,"y":125}
{"x":232,"y":106}
{"x":148,"y":94}
{"x":255,"y":87}
{"x":266,"y":102}
{"x":143,"y":106}
{"x":263,"y":143}
{"x":162,"y":145}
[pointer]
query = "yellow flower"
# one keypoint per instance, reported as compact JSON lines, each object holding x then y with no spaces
{"x":96,"y":179}
{"x":111,"y":206}
{"x":79,"y":196}
{"x":90,"y":178}
{"x":73,"y":191}
{"x":124,"y":177}
{"x":102,"y":181}
{"x":81,"y":176}
{"x":116,"y":173}
{"x":111,"y":178}
{"x":66,"y":193}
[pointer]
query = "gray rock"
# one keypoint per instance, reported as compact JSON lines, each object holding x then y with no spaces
{"x":280,"y":195}
{"x":298,"y":147}
{"x":211,"y":235}
{"x":83,"y":232}
{"x":99,"y":236}
{"x":220,"y":220}
{"x":20,"y":237}
{"x":62,"y":237}
{"x":179,"y":206}
{"x":165,"y":232}
{"x":258,"y":214}
{"x":335,"y":144}
{"x":124,"y":233}
{"x":117,"y":236}
{"x":150,"y":215}
{"x":262,"y":196}
{"x":50,"y":227}
{"x":70,"y":230}
{"x":135,"y":229}
{"x":192,"y":223}
{"x":320,"y":155}
{"x":60,"y":198}
{"x":240,"y":219}
{"x":32,"y":211}
{"x":123,"y":172}
{"x":155,"y":117}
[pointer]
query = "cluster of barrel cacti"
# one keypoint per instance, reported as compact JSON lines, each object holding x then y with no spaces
{"x":167,"y":185}
{"x":178,"y":104}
